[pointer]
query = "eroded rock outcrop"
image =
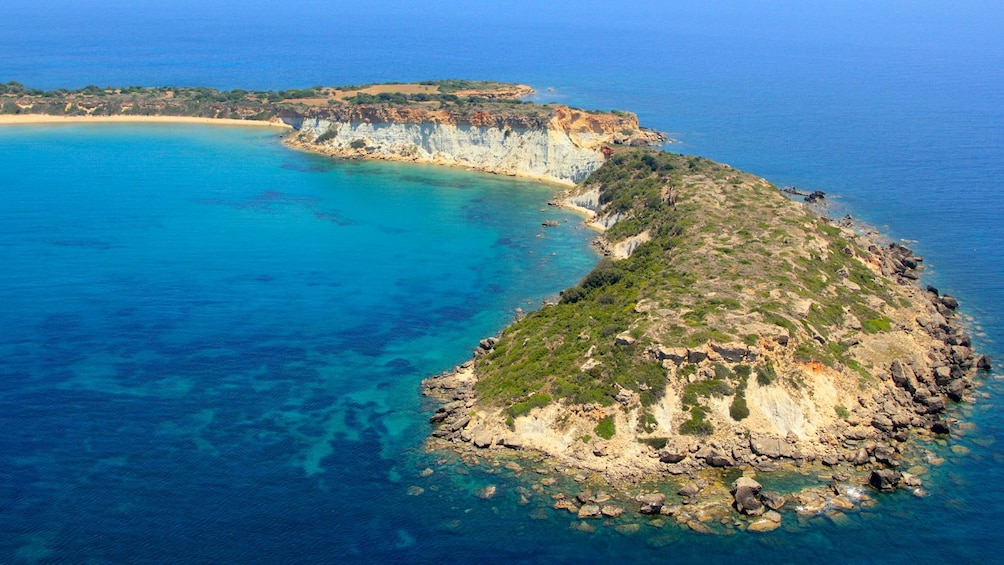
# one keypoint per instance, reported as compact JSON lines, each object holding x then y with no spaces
{"x":557,"y":144}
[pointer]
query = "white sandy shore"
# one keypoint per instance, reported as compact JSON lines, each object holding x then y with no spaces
{"x":15,"y":119}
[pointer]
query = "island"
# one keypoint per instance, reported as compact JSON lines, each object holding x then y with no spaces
{"x":729,"y":328}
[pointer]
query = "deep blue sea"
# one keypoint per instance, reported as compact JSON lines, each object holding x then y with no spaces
{"x":211,"y":345}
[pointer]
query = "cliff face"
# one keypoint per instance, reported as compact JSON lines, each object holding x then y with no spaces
{"x":556,"y":144}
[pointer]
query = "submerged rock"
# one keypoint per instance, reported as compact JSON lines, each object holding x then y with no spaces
{"x":772,"y":500}
{"x":651,"y":503}
{"x":885,"y":479}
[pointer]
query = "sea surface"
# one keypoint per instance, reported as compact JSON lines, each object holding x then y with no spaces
{"x":211,"y":345}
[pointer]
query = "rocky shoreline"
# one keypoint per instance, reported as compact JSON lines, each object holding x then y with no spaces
{"x":869,"y":446}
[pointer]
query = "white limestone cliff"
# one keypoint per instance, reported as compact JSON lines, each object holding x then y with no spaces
{"x":541,"y":153}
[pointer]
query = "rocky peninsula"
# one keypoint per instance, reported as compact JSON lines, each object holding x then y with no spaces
{"x":728,"y":329}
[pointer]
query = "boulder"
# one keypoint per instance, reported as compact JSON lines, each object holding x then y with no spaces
{"x":882,"y":423}
{"x":730,"y":352}
{"x":513,"y":442}
{"x":611,"y":511}
{"x":771,"y":446}
{"x":696,"y":355}
{"x":689,"y":490}
{"x":941,"y":427}
{"x":898,"y":372}
{"x":624,"y":339}
{"x":950,"y":302}
{"x":956,"y":389}
{"x":885,"y":454}
{"x":677,"y":356}
{"x":745,"y":491}
{"x":671,"y":457}
{"x":719,"y":459}
{"x":885,"y":479}
{"x":651,"y":503}
{"x":983,"y":363}
{"x":589,"y":511}
{"x":482,"y":438}
{"x":934,"y":404}
{"x":961,"y":355}
{"x":772,"y":500}
{"x":763,"y":525}
{"x":860,"y":457}
{"x":943,"y":374}
{"x":815,"y":196}
{"x":458,"y":424}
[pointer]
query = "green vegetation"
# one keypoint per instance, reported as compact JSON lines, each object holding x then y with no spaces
{"x":262,"y":105}
{"x":723,"y":247}
{"x":654,"y":442}
{"x":330,"y":133}
{"x":537,"y":400}
{"x":357,"y":143}
{"x":605,"y":429}
{"x":765,"y":374}
{"x":877,"y":325}
{"x":738,"y":409}
{"x":647,"y":423}
{"x":697,"y":425}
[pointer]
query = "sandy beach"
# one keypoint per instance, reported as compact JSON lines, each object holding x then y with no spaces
{"x":23,"y":119}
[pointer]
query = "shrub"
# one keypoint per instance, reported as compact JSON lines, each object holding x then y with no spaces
{"x":606,"y":273}
{"x":537,"y":400}
{"x":765,"y":374}
{"x":572,"y":295}
{"x":841,"y":411}
{"x":605,"y":429}
{"x":697,"y":425}
{"x":329,"y":133}
{"x":357,"y":143}
{"x":647,"y":423}
{"x":654,"y":442}
{"x":722,"y":372}
{"x":738,"y":410}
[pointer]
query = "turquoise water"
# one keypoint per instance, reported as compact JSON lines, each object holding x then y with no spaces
{"x":212,"y":344}
{"x":209,"y":334}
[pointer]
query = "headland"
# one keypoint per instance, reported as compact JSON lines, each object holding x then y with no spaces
{"x":479,"y":125}
{"x":729,"y":329}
